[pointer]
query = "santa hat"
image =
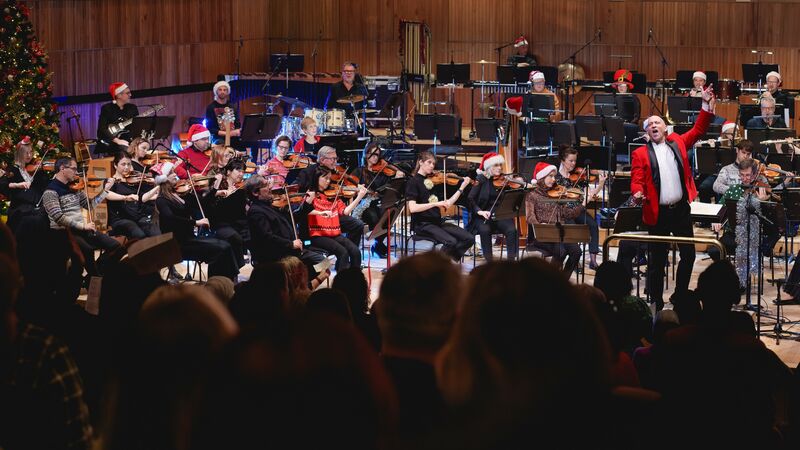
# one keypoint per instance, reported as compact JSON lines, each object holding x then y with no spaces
{"x":699,"y":74}
{"x":623,"y":76}
{"x":542,"y":169}
{"x":520,"y":41}
{"x":515,"y":104}
{"x":25,"y":141}
{"x":774,"y":74}
{"x":197,"y":132}
{"x":115,"y":89}
{"x":489,"y":160}
{"x":728,"y":126}
{"x":218,"y":85}
{"x":162,"y":171}
{"x":535,"y":76}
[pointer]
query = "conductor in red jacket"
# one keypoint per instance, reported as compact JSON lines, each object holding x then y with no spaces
{"x":662,"y":179}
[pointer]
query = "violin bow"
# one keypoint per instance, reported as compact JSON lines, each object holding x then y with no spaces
{"x":38,"y":166}
{"x":291,"y":213}
{"x":86,"y":193}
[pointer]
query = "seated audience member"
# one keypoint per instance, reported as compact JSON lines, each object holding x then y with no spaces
{"x":634,"y":315}
{"x":330,"y":301}
{"x":666,"y":320}
{"x":352,"y":283}
{"x":263,"y":299}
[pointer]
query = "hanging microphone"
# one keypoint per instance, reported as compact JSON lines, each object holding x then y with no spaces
{"x":600,"y":34}
{"x":650,"y":34}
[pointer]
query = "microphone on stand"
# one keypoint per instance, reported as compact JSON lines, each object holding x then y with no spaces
{"x":650,"y":34}
{"x":600,"y":34}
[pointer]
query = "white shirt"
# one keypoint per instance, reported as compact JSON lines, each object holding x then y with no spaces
{"x":671,"y":189}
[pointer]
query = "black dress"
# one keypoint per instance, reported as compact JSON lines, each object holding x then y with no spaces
{"x":23,"y":201}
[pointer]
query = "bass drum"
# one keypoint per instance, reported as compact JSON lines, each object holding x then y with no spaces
{"x":319,"y":116}
{"x":334,"y":120}
{"x":728,"y":90}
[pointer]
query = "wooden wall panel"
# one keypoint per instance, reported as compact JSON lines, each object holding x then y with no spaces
{"x":156,"y":43}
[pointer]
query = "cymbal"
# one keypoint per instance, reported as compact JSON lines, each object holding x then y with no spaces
{"x":571,"y":72}
{"x":367,"y":111}
{"x":351,"y":99}
{"x":484,"y":62}
{"x":290,"y":100}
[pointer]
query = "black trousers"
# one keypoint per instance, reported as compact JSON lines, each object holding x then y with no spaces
{"x":565,"y":256}
{"x":216,"y":252}
{"x":347,"y":253}
{"x":89,"y":241}
{"x":237,"y":236}
{"x":454,"y":239}
{"x":140,"y":229}
{"x":594,"y":231}
{"x":675,"y":221}
{"x":353,"y":228}
{"x":507,"y":227}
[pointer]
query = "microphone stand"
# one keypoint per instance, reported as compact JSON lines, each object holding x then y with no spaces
{"x":571,"y":95}
{"x":314,"y":68}
{"x":498,"y":50}
{"x":664,"y":65}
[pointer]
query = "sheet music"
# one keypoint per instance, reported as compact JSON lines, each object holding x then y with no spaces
{"x":705,"y":209}
{"x":323,"y":265}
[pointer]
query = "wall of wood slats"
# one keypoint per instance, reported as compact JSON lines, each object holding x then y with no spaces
{"x":155,"y":43}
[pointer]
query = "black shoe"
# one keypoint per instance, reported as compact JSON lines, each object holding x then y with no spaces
{"x":379,"y":250}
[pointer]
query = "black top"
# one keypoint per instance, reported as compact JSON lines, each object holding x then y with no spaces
{"x":177,"y":218}
{"x":271,"y":234}
{"x":230,"y":210}
{"x":516,"y":59}
{"x":308,"y":148}
{"x":110,"y":113}
{"x":214,"y":112}
{"x":755,"y":122}
{"x":782,"y":98}
{"x":119,"y":210}
{"x":366,"y":178}
{"x":305,"y":177}
{"x":416,"y":191}
{"x":338,"y":90}
{"x":481,"y":198}
{"x":23,"y":199}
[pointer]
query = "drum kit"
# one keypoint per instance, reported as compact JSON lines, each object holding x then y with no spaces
{"x":333,"y":120}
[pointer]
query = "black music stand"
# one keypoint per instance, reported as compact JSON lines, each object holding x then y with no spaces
{"x":538,"y":106}
{"x":260,"y":128}
{"x":279,"y":62}
{"x":510,"y":205}
{"x":511,"y":74}
{"x":589,"y":127}
{"x":758,"y":135}
{"x":605,"y":105}
{"x":443,"y":127}
{"x":159,"y":126}
{"x":684,"y":81}
{"x":620,"y":191}
{"x":757,"y":73}
{"x":537,"y":136}
{"x":710,"y":160}
{"x":338,"y":141}
{"x":629,"y":220}
{"x":559,"y":233}
{"x":684,"y":109}
{"x":562,"y":133}
{"x":550,"y":74}
{"x":599,"y":155}
{"x":487,"y":128}
{"x":452,"y":73}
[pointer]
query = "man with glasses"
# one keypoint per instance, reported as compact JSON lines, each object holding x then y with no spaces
{"x":326,"y":157}
{"x":768,"y":119}
{"x":118,"y":110}
{"x":63,"y":206}
{"x":350,"y":85}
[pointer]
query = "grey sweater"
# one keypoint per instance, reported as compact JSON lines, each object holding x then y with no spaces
{"x":63,"y":206}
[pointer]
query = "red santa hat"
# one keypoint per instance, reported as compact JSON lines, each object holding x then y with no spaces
{"x":699,"y":74}
{"x":218,"y":85}
{"x":535,"y":76}
{"x":623,"y":76}
{"x":489,"y":160}
{"x":728,"y":126}
{"x":514,"y":104}
{"x":774,"y":74}
{"x":197,"y":132}
{"x":162,"y":171}
{"x":116,"y":88}
{"x":25,"y":141}
{"x":542,"y":170}
{"x":520,"y":41}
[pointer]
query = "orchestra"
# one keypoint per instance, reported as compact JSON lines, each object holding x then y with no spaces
{"x":302,"y":202}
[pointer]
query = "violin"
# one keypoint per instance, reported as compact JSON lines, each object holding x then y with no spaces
{"x":136,"y":178}
{"x":80,"y":183}
{"x":385,"y":168}
{"x":504,"y":180}
{"x":559,"y":191}
{"x":771,"y":170}
{"x":48,"y":165}
{"x":297,"y":161}
{"x":580,"y":174}
{"x":341,"y":191}
{"x":199,"y":181}
{"x":158,"y":155}
{"x":279,"y":201}
{"x":339,"y":172}
{"x":451,"y":179}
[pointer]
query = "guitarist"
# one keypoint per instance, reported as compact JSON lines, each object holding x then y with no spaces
{"x":216,"y":116}
{"x":115,"y":112}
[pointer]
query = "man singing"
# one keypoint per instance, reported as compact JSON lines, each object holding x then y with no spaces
{"x":662,"y":179}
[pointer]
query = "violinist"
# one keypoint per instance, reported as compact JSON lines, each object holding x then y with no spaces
{"x":228,"y":212}
{"x":63,"y":206}
{"x":275,"y":166}
{"x":131,"y":202}
{"x":748,"y":183}
{"x":220,"y":157}
{"x":539,"y":208}
{"x":426,"y":217}
{"x":273,"y":235}
{"x":565,"y":177}
{"x":177,"y":216}
{"x":482,"y":199}
{"x":728,"y":176}
{"x":22,"y":186}
{"x":310,"y":142}
{"x":375,"y":174}
{"x":194,"y":154}
{"x":137,"y":151}
{"x":348,"y":253}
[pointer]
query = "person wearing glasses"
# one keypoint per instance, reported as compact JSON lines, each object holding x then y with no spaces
{"x":350,"y":85}
{"x":63,"y":206}
{"x":113,"y":113}
{"x":307,"y":179}
{"x":275,"y":164}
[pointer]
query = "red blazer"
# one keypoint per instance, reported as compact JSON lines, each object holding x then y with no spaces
{"x":642,"y":170}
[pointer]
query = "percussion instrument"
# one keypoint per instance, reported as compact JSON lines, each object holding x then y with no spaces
{"x":351,"y":99}
{"x":290,"y":126}
{"x":334,"y":120}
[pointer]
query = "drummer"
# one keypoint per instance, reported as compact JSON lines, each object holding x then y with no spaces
{"x":310,"y":142}
{"x":349,"y":88}
{"x":699,"y":82}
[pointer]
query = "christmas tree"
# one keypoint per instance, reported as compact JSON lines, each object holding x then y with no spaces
{"x":26,"y":106}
